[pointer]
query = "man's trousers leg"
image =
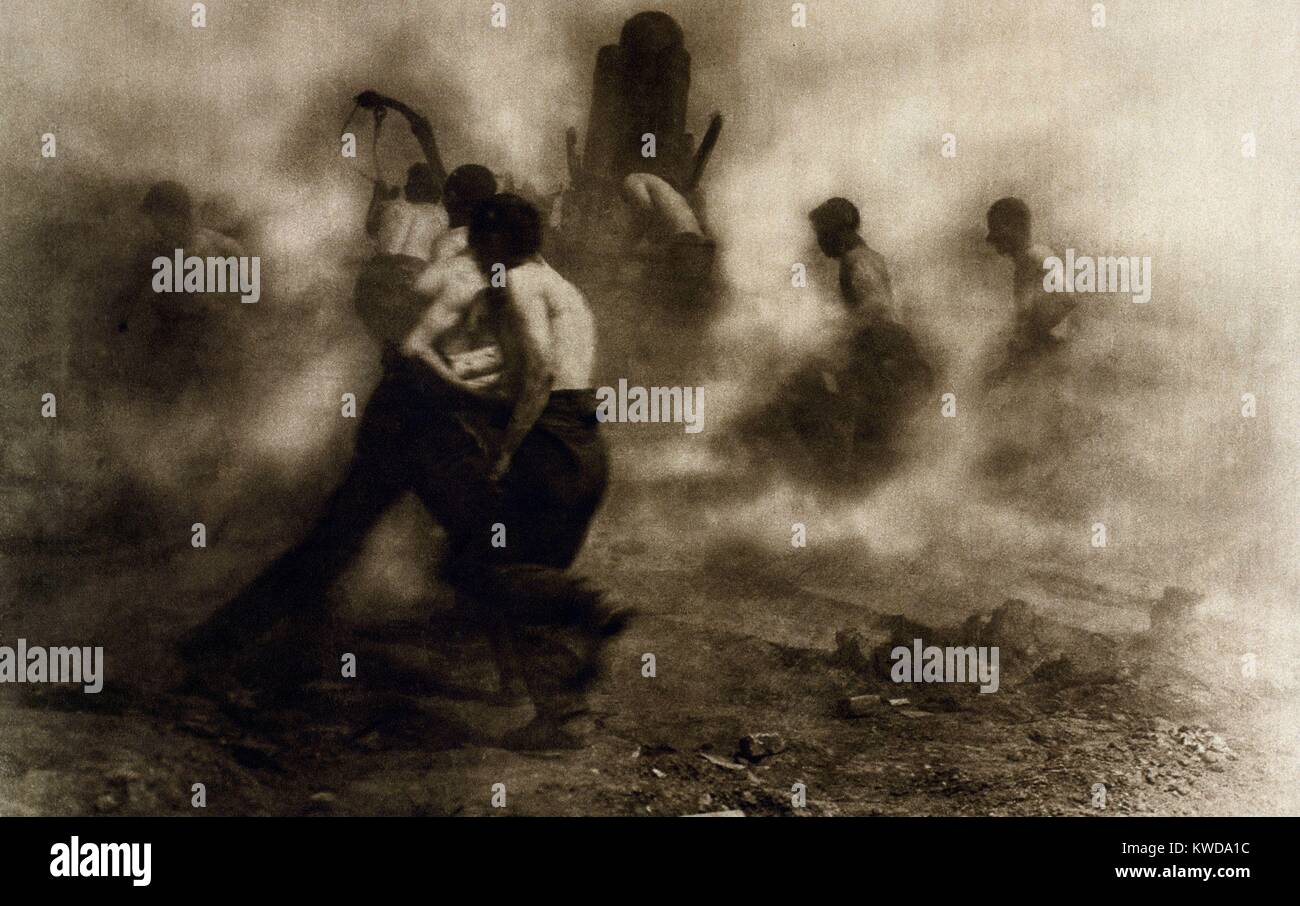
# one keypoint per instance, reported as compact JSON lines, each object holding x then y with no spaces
{"x":299,"y":580}
{"x":556,"y":483}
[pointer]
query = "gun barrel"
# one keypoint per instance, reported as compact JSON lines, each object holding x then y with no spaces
{"x":705,"y":150}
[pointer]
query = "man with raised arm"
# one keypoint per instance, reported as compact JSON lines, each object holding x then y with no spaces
{"x":411,"y":437}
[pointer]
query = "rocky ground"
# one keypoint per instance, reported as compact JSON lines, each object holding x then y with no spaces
{"x":755,"y":656}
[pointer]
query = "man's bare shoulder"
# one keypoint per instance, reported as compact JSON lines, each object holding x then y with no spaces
{"x":1036,"y":255}
{"x":537,"y":277}
{"x":867,"y":262}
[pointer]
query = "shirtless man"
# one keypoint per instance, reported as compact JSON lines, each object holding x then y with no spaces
{"x":546,"y":452}
{"x":1041,"y":321}
{"x":864,"y":278}
{"x":176,"y":335}
{"x":445,"y":436}
{"x":409,"y":220}
{"x":411,"y":228}
{"x":663,"y":220}
{"x":873,"y":371}
{"x":412,"y":436}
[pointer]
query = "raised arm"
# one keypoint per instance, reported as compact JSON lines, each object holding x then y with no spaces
{"x":382,"y":194}
{"x":420,"y":128}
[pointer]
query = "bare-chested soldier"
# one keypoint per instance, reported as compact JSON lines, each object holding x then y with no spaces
{"x":864,"y":278}
{"x":1042,"y":320}
{"x":176,"y":337}
{"x":873,"y":371}
{"x":171,"y":350}
{"x":546,"y":450}
{"x":414,"y":227}
{"x":448,"y":431}
{"x":410,"y":437}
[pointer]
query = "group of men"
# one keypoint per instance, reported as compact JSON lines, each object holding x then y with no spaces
{"x":1040,"y":319}
{"x":847,"y":406}
{"x":485,"y":411}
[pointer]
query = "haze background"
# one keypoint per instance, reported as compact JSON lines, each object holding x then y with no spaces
{"x":1123,"y":140}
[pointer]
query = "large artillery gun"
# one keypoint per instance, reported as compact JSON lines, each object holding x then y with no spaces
{"x":634,"y":190}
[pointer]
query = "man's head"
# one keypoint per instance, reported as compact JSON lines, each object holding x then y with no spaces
{"x":467,"y":186}
{"x":169,"y":206}
{"x":1008,"y":220}
{"x":505,"y":229}
{"x":835,"y":221}
{"x":420,"y":186}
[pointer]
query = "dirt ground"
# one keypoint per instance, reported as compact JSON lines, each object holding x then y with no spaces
{"x":745,"y":642}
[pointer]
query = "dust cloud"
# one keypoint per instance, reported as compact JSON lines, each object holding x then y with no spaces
{"x":1123,"y":140}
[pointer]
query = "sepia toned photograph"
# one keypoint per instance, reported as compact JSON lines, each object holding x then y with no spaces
{"x":727,"y":408}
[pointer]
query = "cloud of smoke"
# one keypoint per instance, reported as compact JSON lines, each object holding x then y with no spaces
{"x":1123,"y":140}
{"x":1119,"y":147}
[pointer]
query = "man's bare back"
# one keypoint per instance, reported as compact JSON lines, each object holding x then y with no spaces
{"x":556,"y":315}
{"x":456,"y":334}
{"x":1040,"y":316}
{"x":864,"y":283}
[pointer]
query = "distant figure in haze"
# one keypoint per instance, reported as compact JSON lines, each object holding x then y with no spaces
{"x":877,"y":371}
{"x":1041,"y":320}
{"x":412,"y":235}
{"x":407,"y":222}
{"x":174,"y":336}
{"x":846,"y":406}
{"x":420,"y":225}
{"x":175,"y":355}
{"x":864,"y":278}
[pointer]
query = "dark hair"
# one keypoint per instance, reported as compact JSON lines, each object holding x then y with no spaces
{"x":420,"y":186}
{"x":1009,"y":210}
{"x":506,"y":225}
{"x":834,"y":215}
{"x":468,"y":185}
{"x":168,"y":198}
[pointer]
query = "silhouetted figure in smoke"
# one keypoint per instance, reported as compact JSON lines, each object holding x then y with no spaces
{"x":519,"y":451}
{"x":171,"y":356}
{"x":1028,"y":392}
{"x":412,"y":228}
{"x":173,"y":338}
{"x":845,"y":408}
{"x":864,"y":278}
{"x":1041,"y":319}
